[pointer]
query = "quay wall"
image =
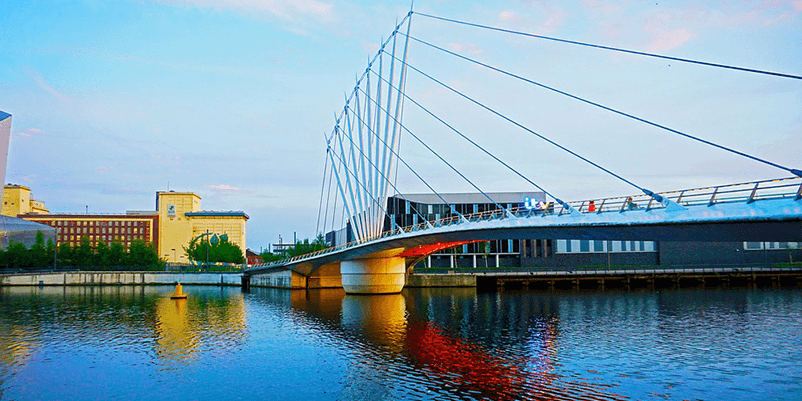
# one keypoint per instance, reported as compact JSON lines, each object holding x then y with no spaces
{"x":120,"y":278}
{"x":441,"y":280}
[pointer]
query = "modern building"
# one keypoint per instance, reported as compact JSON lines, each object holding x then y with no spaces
{"x":178,"y":219}
{"x":12,"y":228}
{"x":409,"y":209}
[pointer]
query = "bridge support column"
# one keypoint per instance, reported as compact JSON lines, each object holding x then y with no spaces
{"x":373,"y":276}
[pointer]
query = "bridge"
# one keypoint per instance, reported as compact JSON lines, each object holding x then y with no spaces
{"x":363,"y":159}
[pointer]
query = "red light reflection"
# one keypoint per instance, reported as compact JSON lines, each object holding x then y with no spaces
{"x":472,"y":371}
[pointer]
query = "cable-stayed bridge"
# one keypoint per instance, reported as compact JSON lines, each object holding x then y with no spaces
{"x":373,"y":250}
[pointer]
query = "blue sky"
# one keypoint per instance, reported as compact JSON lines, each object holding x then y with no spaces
{"x":230,"y":99}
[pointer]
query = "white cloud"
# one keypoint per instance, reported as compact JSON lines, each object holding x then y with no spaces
{"x":27,"y":134}
{"x":670,"y":40}
{"x":223,"y":188}
{"x":42,"y":84}
{"x":284,"y":9}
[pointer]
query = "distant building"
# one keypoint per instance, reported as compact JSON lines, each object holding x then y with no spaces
{"x":12,"y":228}
{"x":17,"y":200}
{"x":252,"y":257}
{"x":178,"y":219}
{"x":122,"y":228}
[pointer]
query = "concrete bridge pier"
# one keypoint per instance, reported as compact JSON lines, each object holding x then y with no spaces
{"x":381,"y":275}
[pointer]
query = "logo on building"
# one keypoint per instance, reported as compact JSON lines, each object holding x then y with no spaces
{"x":170,"y":210}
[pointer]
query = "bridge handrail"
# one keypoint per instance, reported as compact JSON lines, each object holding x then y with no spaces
{"x":711,"y":195}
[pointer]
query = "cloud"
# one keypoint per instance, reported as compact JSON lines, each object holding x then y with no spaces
{"x":466,"y":48}
{"x":669,"y":40}
{"x":285,"y":9}
{"x":223,"y":188}
{"x":556,"y":17}
{"x":28,"y":178}
{"x":27,"y":134}
{"x":42,"y":84}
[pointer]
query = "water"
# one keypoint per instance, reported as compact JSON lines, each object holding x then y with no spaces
{"x":134,"y":343}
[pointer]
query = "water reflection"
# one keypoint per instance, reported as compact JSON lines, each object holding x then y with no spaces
{"x":426,"y":337}
{"x":133,"y":342}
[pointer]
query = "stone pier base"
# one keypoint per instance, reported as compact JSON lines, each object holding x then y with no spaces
{"x":373,"y":276}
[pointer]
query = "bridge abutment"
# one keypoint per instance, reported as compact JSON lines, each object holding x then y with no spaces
{"x":373,"y":276}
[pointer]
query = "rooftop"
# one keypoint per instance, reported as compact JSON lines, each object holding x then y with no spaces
{"x":467,"y":198}
{"x":218,"y":213}
{"x":4,"y":115}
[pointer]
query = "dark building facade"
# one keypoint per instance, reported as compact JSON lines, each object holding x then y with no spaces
{"x":411,"y":209}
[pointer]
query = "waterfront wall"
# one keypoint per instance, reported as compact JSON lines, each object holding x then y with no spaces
{"x":120,"y":278}
{"x":441,"y":280}
{"x":280,"y":278}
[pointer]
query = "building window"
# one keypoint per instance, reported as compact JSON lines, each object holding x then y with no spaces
{"x":757,"y":246}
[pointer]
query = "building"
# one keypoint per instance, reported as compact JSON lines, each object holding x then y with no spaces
{"x":406,"y":210}
{"x":181,"y":219}
{"x":17,"y":200}
{"x":123,"y":228}
{"x":252,"y":257}
{"x":178,"y":219}
{"x":12,"y":228}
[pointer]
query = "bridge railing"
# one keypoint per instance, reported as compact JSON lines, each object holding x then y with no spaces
{"x":748,"y":192}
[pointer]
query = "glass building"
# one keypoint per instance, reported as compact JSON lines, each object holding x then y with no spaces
{"x":12,"y":228}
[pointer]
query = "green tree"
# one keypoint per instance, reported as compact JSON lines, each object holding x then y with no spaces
{"x":82,"y":254}
{"x":50,"y":250}
{"x":101,"y":257}
{"x":116,"y":255}
{"x":65,"y":254}
{"x":223,"y":250}
{"x":143,"y":253}
{"x":305,"y":246}
{"x":18,"y":255}
{"x":38,"y":253}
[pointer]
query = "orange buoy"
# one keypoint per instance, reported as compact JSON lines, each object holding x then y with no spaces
{"x":179,"y":293}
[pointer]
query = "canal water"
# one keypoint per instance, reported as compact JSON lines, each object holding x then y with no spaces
{"x":134,"y":343}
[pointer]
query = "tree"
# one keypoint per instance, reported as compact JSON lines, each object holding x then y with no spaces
{"x":200,"y":250}
{"x":304,"y":247}
{"x":18,"y":255}
{"x":38,"y":253}
{"x":142,"y":253}
{"x":116,"y":255}
{"x":65,"y":254}
{"x":82,"y":254}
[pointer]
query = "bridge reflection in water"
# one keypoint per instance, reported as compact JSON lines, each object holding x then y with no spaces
{"x":392,"y":333}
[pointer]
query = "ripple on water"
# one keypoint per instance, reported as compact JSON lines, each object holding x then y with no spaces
{"x":132,"y":343}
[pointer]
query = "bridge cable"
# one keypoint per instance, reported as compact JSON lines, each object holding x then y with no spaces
{"x":412,"y":170}
{"x":558,"y":200}
{"x":441,"y":158}
{"x":363,"y":187}
{"x":663,"y":127}
{"x":384,"y":176}
{"x":656,"y":197}
{"x":573,"y":42}
{"x":322,"y":190}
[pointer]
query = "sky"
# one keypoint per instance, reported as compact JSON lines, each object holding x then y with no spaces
{"x":113,"y":100}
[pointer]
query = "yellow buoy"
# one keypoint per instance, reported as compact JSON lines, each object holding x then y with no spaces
{"x":179,"y":293}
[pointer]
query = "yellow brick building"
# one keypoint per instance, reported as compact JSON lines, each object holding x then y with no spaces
{"x":178,"y":219}
{"x":181,"y":219}
{"x":17,"y":200}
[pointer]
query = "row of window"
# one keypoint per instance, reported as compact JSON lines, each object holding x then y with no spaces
{"x":95,"y":223}
{"x":106,"y":238}
{"x":100,"y":230}
{"x":757,"y":246}
{"x":589,"y":246}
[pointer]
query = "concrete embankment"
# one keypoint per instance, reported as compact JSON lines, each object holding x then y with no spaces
{"x":120,"y":278}
{"x":441,"y":280}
